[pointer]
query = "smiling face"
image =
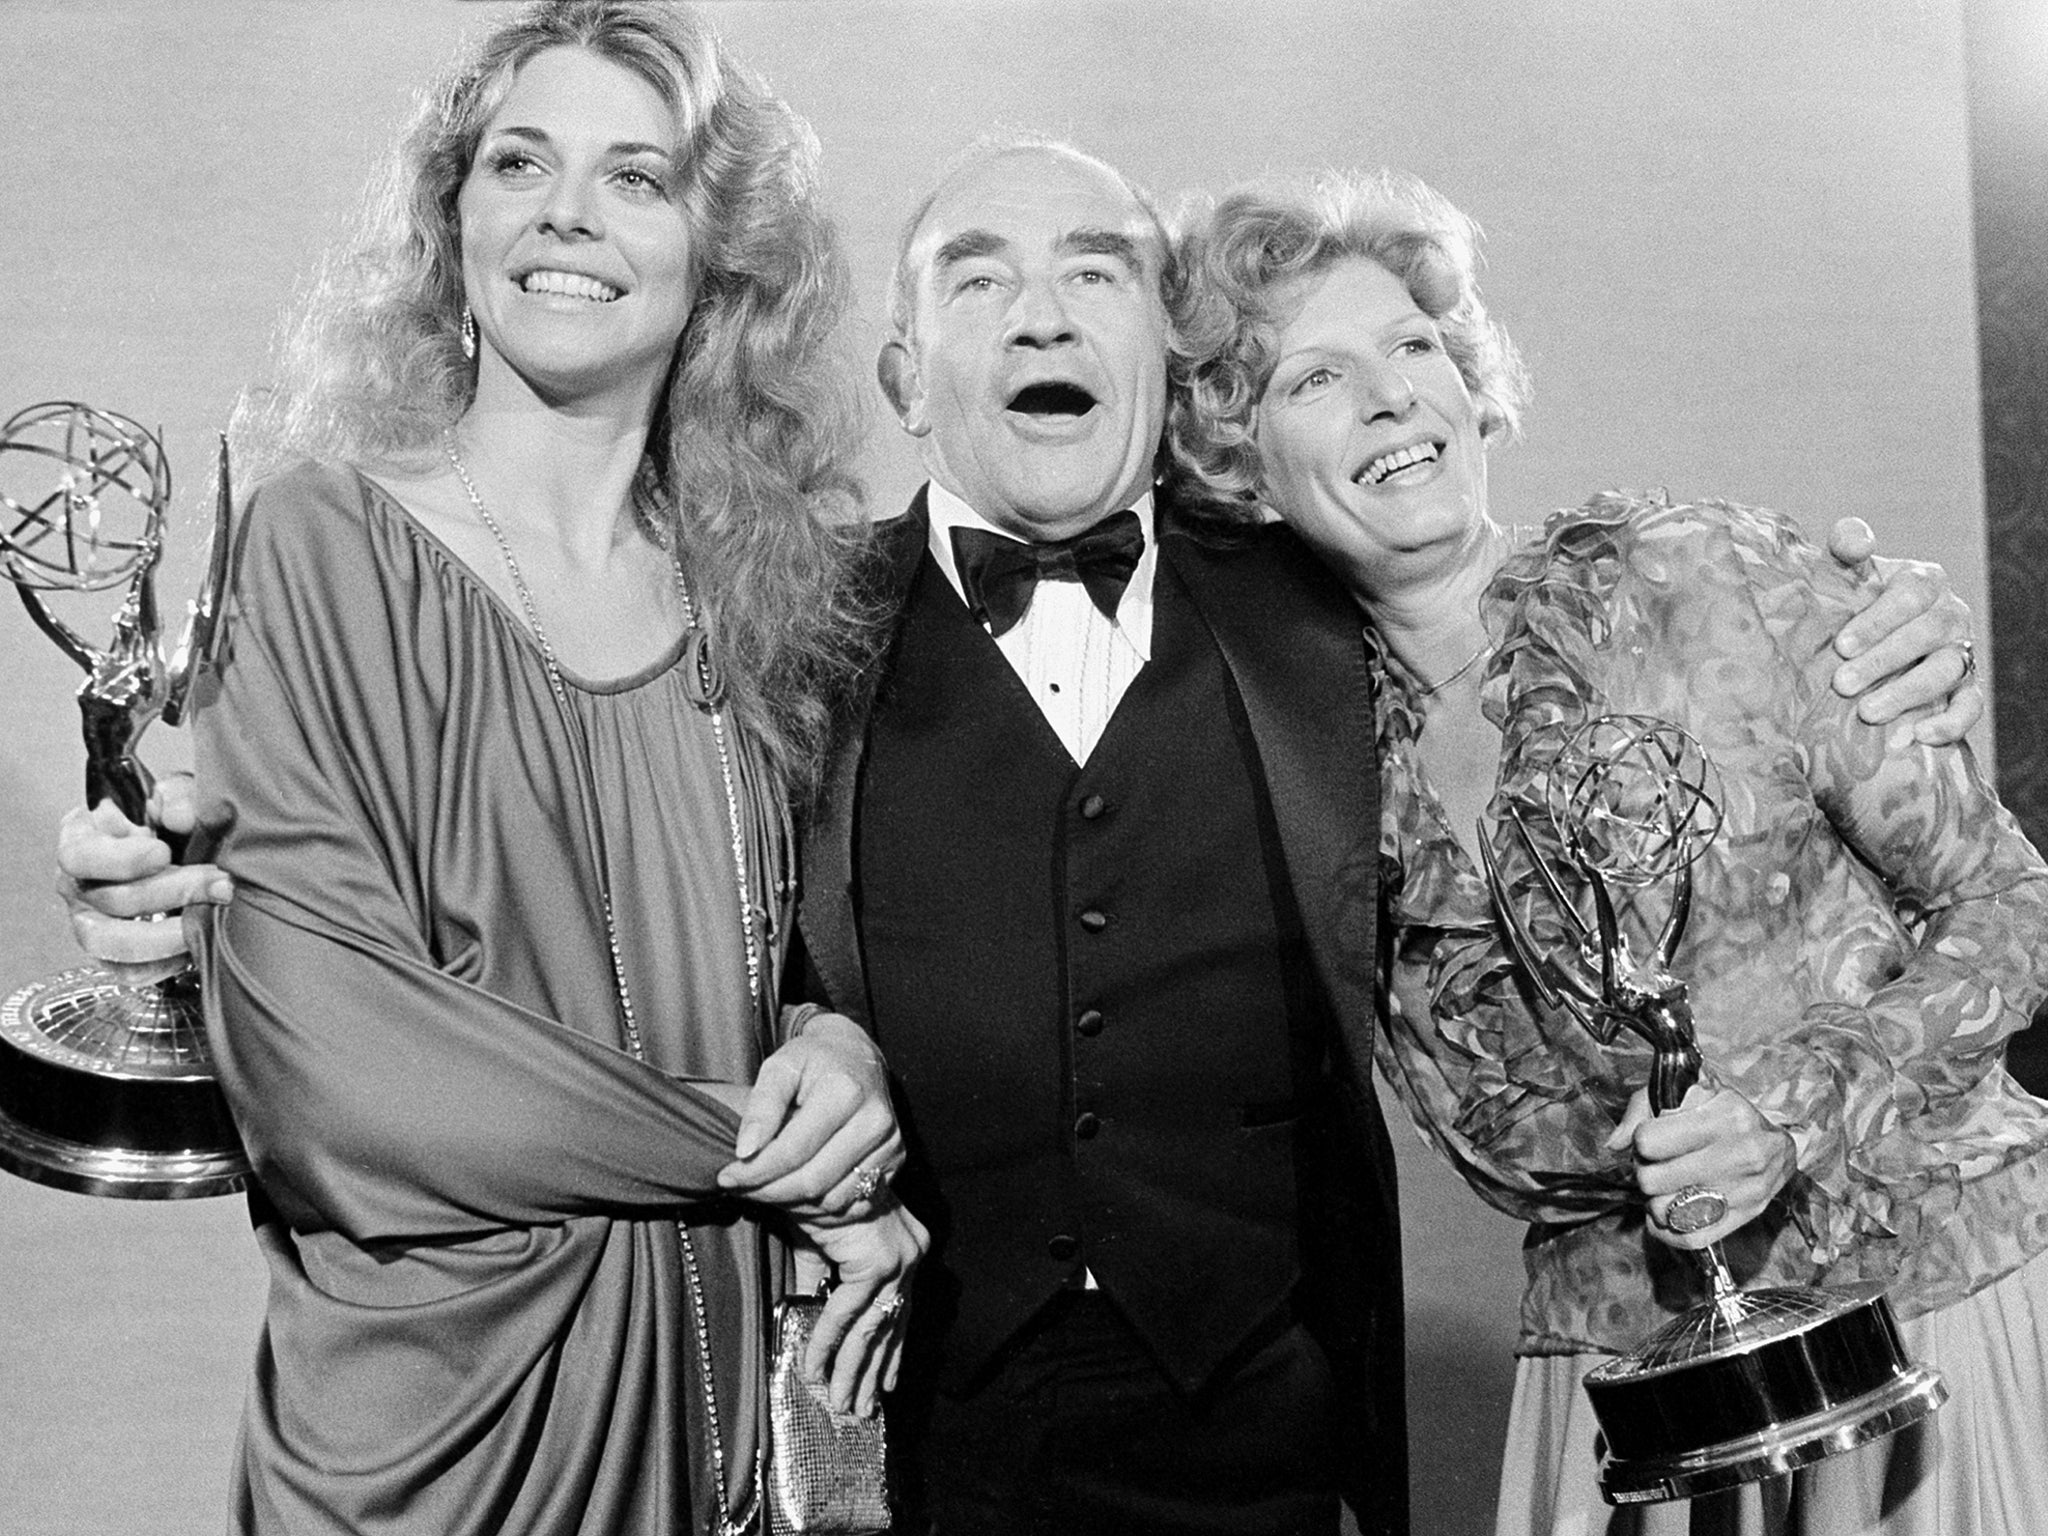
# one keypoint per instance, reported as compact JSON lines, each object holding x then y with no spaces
{"x":1368,"y":438}
{"x":576,"y":255}
{"x":1034,"y":374}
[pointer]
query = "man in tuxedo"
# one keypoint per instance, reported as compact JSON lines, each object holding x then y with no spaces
{"x":1097,"y":867}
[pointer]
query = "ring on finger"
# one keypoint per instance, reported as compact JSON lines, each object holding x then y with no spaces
{"x":1969,"y":659}
{"x":1694,"y":1209}
{"x":868,"y":1181}
{"x":892,"y":1308}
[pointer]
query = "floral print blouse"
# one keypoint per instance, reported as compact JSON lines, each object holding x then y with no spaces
{"x":1867,"y":930}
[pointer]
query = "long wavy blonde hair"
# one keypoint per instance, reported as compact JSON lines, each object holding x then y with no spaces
{"x":749,"y":459}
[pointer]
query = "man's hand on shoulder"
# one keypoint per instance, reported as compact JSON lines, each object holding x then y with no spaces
{"x":1908,"y":657}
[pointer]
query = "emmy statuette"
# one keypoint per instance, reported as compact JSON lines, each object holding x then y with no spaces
{"x":1747,"y":1384}
{"x":107,"y":1089}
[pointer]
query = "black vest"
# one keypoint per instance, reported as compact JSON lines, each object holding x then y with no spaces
{"x":1092,"y":986}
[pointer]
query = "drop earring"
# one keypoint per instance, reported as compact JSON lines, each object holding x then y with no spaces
{"x":468,"y":334}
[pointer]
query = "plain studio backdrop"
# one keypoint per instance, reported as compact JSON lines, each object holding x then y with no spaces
{"x":1732,"y":238}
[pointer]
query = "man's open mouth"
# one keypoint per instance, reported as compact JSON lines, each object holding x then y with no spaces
{"x":1052,"y":400}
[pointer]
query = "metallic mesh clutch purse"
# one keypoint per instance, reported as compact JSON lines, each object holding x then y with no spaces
{"x":827,"y":1472}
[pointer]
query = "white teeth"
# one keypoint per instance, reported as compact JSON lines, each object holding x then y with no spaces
{"x":1388,"y":464}
{"x":570,"y":284}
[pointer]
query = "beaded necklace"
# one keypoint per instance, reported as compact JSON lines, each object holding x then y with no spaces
{"x":729,"y":1523}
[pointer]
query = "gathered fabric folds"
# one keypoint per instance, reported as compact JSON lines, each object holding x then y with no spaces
{"x":469,"y":1188}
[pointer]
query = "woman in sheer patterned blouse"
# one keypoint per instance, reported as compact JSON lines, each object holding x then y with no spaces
{"x":1868,"y":929}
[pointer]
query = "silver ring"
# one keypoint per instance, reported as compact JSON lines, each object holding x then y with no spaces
{"x":1969,"y":659}
{"x":891,"y":1308}
{"x":1694,"y":1209}
{"x":867,"y":1181}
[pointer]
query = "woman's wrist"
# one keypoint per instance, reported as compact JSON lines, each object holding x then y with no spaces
{"x":832,"y":1031}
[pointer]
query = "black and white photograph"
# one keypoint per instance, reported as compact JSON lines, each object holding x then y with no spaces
{"x":1024,"y":767}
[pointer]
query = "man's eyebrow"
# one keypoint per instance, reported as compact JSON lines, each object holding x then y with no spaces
{"x":1103,"y":242}
{"x":967,"y":245}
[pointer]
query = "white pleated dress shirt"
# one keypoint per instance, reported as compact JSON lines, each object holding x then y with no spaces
{"x":1074,"y":661}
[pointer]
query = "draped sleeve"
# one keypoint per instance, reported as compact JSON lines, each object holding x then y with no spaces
{"x":385,"y":1074}
{"x":471,"y":1189}
{"x":389,"y":1100}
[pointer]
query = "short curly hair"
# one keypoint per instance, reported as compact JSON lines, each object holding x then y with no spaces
{"x":1242,"y":262}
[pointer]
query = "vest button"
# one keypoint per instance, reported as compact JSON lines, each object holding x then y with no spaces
{"x":1094,"y":920}
{"x":1093,"y":807}
{"x":1062,"y":1249}
{"x":1089,"y":1025}
{"x":1086,"y":1126}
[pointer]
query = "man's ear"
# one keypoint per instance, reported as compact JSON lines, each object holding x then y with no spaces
{"x":896,"y":368}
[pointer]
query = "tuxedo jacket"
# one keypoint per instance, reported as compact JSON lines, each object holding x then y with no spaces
{"x":1288,"y":638}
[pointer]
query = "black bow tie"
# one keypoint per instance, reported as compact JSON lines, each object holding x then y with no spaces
{"x":999,"y":574}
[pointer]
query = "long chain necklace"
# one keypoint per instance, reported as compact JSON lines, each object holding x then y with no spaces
{"x":729,"y":1524}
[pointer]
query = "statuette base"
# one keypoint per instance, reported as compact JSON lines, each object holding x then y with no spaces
{"x":107,"y":1090}
{"x":1752,"y":1386}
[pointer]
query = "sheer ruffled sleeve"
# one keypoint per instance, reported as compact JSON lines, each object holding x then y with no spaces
{"x":1893,"y":1097}
{"x":1867,"y":932}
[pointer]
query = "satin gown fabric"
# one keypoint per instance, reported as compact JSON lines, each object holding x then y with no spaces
{"x":468,"y":1186}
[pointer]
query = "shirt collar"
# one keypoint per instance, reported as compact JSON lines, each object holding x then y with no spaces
{"x":1133,"y":614}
